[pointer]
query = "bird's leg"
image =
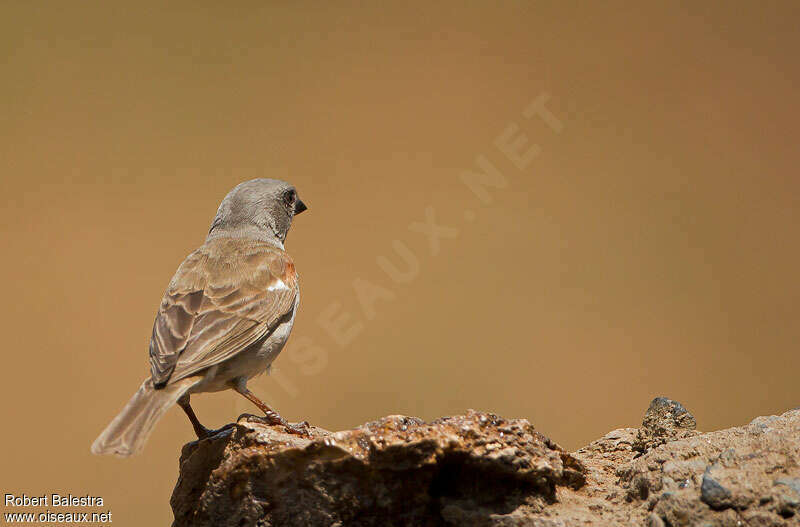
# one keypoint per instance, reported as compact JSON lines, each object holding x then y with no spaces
{"x":201,"y":431}
{"x":272,"y":417}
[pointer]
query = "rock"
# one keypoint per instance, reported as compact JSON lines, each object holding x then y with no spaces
{"x":722,"y":476}
{"x":479,"y":469}
{"x":713,"y":494}
{"x":664,"y":421}
{"x":787,"y":494}
{"x":654,"y":520}
{"x":475,"y":469}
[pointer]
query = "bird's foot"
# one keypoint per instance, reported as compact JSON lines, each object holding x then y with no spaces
{"x":300,"y":429}
{"x":275,"y":419}
{"x":205,"y":433}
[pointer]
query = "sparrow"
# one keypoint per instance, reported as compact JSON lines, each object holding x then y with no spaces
{"x":224,"y":318}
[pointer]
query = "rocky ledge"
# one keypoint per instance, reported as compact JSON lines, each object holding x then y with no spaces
{"x":479,"y":469}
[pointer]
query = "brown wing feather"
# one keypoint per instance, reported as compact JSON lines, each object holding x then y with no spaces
{"x":224,"y":296}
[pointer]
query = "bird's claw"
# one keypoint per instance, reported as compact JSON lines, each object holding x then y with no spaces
{"x":298,"y":429}
{"x":205,"y":433}
{"x":273,"y":419}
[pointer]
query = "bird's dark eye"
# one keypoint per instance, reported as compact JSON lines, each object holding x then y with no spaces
{"x":290,"y":196}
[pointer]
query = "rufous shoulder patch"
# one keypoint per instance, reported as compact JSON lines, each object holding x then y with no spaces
{"x":282,"y":267}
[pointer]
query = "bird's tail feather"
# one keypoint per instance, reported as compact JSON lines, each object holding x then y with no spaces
{"x":128,"y":432}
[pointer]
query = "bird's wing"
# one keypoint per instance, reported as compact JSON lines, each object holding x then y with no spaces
{"x":225,"y":296}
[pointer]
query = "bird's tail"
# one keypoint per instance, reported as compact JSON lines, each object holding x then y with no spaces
{"x":128,"y":432}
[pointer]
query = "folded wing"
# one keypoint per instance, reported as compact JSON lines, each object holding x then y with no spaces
{"x":225,"y":296}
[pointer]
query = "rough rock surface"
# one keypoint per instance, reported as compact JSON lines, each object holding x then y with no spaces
{"x":482,"y":470}
{"x":666,"y":420}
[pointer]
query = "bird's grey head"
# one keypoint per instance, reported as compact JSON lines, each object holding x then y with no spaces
{"x":259,"y":209}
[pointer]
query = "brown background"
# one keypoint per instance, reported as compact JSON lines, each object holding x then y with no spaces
{"x":650,"y":249}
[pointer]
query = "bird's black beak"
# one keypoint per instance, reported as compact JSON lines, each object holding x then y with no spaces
{"x":299,"y":207}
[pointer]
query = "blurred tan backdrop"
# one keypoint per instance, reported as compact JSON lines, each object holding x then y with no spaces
{"x":649,"y":249}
